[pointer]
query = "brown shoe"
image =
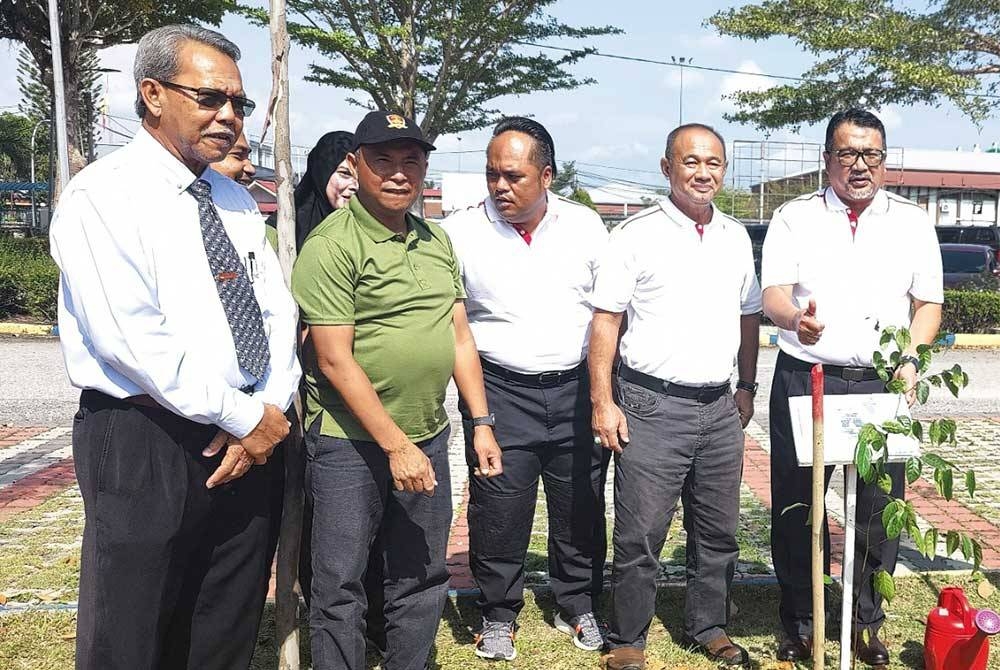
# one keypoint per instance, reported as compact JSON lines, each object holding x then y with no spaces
{"x":625,"y":658}
{"x":723,"y":650}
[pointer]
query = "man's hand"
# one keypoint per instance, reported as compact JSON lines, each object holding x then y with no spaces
{"x":908,"y":373}
{"x":484,"y":442}
{"x":271,"y":430}
{"x":412,"y":470}
{"x":807,"y":326}
{"x":609,"y":425}
{"x":744,"y":405}
{"x":236,"y":463}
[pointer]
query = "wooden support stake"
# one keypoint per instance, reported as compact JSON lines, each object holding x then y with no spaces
{"x":818,"y":514}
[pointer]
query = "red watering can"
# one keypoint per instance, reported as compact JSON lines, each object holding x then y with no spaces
{"x":957,"y":636}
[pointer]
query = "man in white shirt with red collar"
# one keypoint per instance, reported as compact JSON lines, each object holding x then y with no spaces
{"x":840,"y":265}
{"x":528,"y":260}
{"x":683,"y":272}
{"x":177,"y":326}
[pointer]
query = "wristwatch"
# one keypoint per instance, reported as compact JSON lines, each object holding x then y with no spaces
{"x":750,"y":387}
{"x":488,"y":420}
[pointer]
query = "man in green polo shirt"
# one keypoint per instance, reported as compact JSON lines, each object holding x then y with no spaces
{"x":380,"y":292}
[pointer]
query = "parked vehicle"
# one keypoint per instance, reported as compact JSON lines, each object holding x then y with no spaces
{"x":988,"y":235}
{"x":757,"y":232}
{"x":972,"y":266}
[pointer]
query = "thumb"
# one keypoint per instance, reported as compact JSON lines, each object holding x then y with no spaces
{"x":623,"y":429}
{"x":216,"y":444}
{"x":811,"y":309}
{"x":484,"y":462}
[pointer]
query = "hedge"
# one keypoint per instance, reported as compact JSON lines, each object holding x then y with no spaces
{"x":971,"y":312}
{"x":29,"y":281}
{"x":29,"y":278}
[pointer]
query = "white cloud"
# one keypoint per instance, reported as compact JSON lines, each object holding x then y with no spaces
{"x":746,"y":79}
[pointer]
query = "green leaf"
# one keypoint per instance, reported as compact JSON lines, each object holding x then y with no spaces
{"x":903,"y":339}
{"x":949,"y":427}
{"x":925,"y":357}
{"x":923,"y":392}
{"x":945,"y":482}
{"x":968,"y":551}
{"x":914,"y":466}
{"x":951,"y":541}
{"x":885,"y":482}
{"x":977,"y":555}
{"x":936,"y":434}
{"x":863,"y":461}
{"x":886,"y":337}
{"x":917,"y":430}
{"x":894,"y":427}
{"x":884,"y":585}
{"x":896,"y":386}
{"x":970,"y":483}
{"x":935,"y":380}
{"x":930,"y":543}
{"x":935,"y":461}
{"x":894,"y":518}
{"x":828,"y":580}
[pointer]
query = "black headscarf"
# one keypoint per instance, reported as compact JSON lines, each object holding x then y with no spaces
{"x":311,"y":203}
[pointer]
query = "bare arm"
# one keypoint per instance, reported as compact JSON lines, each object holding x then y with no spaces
{"x":923,"y":330}
{"x":334,"y":349}
{"x":746,"y":364}
{"x":469,"y":380}
{"x":778,"y":307}
{"x":608,"y":421}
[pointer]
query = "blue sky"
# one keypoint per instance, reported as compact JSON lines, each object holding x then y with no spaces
{"x":621,"y":121}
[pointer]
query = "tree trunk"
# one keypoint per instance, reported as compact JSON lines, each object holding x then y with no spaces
{"x":287,"y":589}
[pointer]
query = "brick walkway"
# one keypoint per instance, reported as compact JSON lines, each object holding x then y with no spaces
{"x":36,"y":463}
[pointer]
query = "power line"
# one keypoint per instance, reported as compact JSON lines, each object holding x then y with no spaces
{"x":615,"y":167}
{"x":705,"y":68}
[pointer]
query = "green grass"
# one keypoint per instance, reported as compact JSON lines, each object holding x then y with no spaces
{"x":39,"y":641}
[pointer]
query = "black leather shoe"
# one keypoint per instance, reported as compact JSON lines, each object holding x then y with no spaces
{"x":794,"y":649}
{"x":874,"y":653}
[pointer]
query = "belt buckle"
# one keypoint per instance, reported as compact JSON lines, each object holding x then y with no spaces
{"x":549,"y":378}
{"x":853,"y":374}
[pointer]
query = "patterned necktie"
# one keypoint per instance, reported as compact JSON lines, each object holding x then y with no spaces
{"x":235,"y":292}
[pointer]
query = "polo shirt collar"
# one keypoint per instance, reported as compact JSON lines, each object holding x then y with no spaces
{"x":497,"y":219}
{"x":169,"y":168}
{"x":683,"y":220}
{"x":374,"y":228}
{"x":879,"y":204}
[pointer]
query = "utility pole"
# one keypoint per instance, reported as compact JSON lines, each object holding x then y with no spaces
{"x":682,"y":62}
{"x":58,"y":98}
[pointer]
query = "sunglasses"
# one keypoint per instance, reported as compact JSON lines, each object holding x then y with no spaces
{"x":213,"y":98}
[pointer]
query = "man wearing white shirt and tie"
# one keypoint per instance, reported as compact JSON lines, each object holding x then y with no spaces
{"x":528,"y":260}
{"x":177,"y":326}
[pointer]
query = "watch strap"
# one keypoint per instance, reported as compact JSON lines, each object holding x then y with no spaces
{"x":750,"y":387}
{"x":488,"y":420}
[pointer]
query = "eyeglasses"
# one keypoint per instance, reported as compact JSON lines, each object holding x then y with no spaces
{"x":848,"y":157}
{"x":213,"y":98}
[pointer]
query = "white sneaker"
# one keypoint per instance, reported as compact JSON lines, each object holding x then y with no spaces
{"x":495,"y":641}
{"x":583,"y":629}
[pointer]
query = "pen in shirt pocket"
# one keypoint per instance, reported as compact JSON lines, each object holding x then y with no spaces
{"x":251,"y":266}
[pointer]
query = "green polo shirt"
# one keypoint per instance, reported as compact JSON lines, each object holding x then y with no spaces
{"x":399,"y":294}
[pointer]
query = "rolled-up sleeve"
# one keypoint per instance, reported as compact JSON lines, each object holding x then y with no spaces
{"x":104,"y":288}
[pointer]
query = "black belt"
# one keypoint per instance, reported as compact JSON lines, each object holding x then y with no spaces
{"x":537,"y":380}
{"x":703,"y":394}
{"x":146,"y":400}
{"x":847,"y":373}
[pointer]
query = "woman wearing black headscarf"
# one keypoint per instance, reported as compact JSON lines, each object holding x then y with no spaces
{"x":327,"y":184}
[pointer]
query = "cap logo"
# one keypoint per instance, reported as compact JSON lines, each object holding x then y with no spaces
{"x":396,"y":121}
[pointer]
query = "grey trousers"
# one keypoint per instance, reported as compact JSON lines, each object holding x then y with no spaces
{"x":683,"y":449}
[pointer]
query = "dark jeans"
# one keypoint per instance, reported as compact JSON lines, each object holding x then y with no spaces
{"x":544,"y":433}
{"x":678,"y":449}
{"x":791,"y":484}
{"x":172,"y":574}
{"x":355,"y":508}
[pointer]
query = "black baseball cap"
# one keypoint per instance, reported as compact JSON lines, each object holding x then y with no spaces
{"x":379,"y":127}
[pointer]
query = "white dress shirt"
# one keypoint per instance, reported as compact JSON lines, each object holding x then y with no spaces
{"x":138,"y":308}
{"x":529,"y":305}
{"x":860,"y":283}
{"x":684,"y":294}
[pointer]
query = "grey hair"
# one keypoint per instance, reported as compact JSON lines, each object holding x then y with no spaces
{"x":156,"y":57}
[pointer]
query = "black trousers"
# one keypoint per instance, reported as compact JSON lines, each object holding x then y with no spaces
{"x":172,"y":574}
{"x":544,"y":433}
{"x":791,"y":484}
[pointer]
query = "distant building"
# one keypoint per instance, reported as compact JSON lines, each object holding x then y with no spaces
{"x":960,"y":188}
{"x":616,"y":201}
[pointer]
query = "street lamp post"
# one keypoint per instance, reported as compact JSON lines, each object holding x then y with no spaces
{"x":34,"y":131}
{"x":682,"y":62}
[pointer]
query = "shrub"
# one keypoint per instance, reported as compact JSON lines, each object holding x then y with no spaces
{"x":971,"y":311}
{"x":29,"y":278}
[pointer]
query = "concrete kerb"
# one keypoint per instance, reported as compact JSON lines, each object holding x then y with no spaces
{"x":29,"y":329}
{"x":769,"y":338}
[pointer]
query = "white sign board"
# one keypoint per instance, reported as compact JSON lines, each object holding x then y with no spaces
{"x":843,"y":418}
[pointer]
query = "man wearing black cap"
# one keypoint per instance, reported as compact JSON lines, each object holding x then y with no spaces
{"x":381,"y":292}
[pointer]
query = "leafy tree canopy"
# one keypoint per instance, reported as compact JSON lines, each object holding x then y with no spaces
{"x":872,"y":53}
